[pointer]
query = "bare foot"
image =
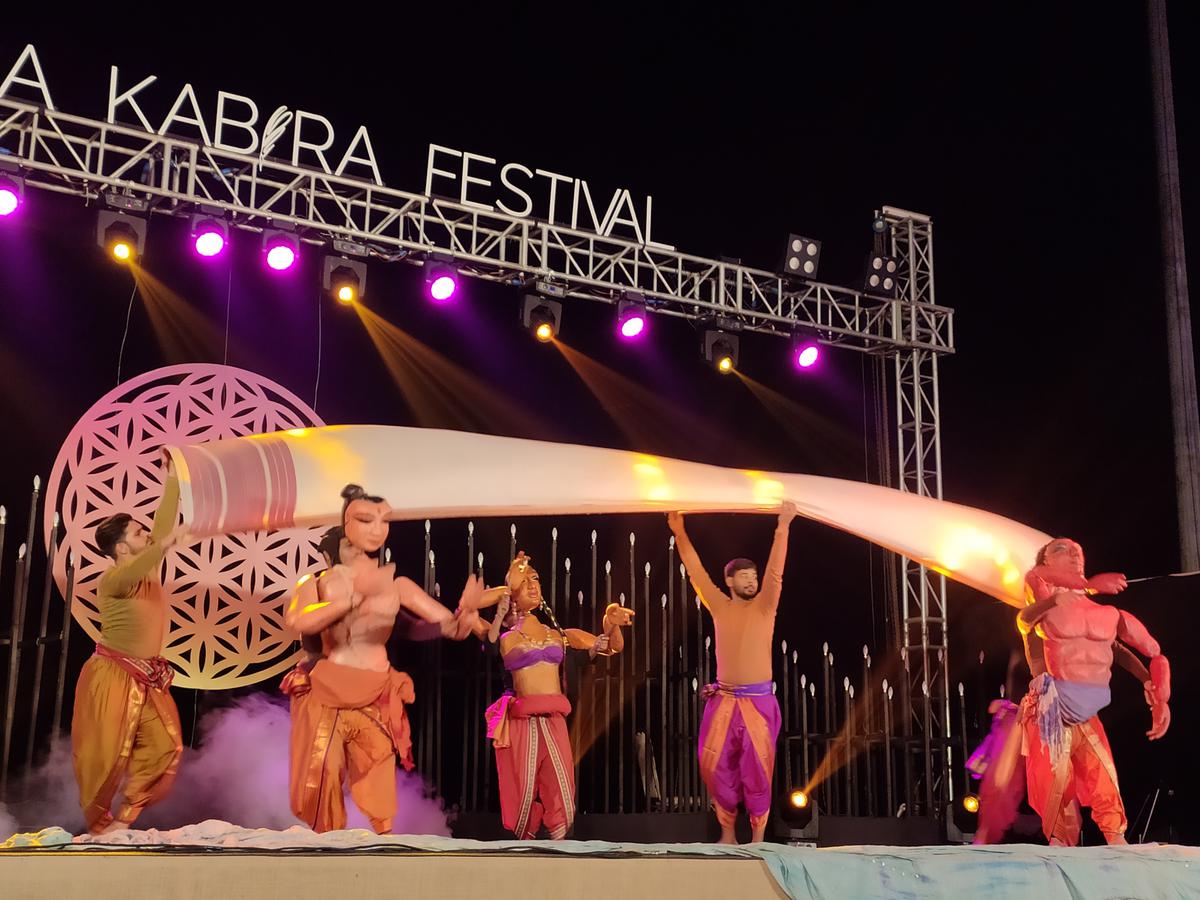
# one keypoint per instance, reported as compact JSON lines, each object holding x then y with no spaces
{"x":758,"y":835}
{"x":115,"y":825}
{"x":1116,"y":838}
{"x":727,"y":837}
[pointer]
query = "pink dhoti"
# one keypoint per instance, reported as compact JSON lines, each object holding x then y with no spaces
{"x":535,"y":765}
{"x":737,"y":749}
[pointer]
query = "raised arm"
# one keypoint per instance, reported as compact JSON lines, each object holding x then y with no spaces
{"x":772,"y":580}
{"x":122,"y":578}
{"x":708,"y":591}
{"x":168,"y":509}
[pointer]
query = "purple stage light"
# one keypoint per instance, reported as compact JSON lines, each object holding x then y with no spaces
{"x":209,"y":241}
{"x":632,"y":321}
{"x":9,"y":200}
{"x":281,"y":257}
{"x":442,"y":288}
{"x":633,"y":325}
{"x":807,"y":355}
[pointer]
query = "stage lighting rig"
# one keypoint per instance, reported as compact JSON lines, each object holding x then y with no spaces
{"x":345,"y":278}
{"x":721,"y":349}
{"x":542,"y":316}
{"x":881,"y":278}
{"x":806,"y":349}
{"x":632,"y":318}
{"x":12,"y":194}
{"x":799,"y":818}
{"x":441,"y":279}
{"x":123,"y":237}
{"x":281,"y":249}
{"x":801,"y":257}
{"x":210,"y":234}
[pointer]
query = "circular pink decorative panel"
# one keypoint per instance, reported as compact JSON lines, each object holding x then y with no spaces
{"x":226,"y":593}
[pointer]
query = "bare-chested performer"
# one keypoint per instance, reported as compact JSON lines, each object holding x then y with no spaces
{"x":348,"y":717}
{"x":1070,"y":643}
{"x":741,"y":719}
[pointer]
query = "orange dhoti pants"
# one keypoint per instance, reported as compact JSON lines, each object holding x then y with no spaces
{"x":1084,"y":777}
{"x":347,"y":725}
{"x":124,"y":727}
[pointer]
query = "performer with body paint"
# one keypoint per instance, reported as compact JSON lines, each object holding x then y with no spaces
{"x":1069,"y":762}
{"x":348,"y":705}
{"x":1071,"y":643}
{"x":125,"y":726}
{"x":741,"y":718}
{"x":527,"y":725}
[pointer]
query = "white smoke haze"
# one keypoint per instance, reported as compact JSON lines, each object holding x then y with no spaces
{"x":237,"y":774}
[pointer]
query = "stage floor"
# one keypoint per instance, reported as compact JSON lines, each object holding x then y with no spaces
{"x":217,"y":860}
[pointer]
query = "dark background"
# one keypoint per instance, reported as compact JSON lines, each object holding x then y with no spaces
{"x":1025,"y":133}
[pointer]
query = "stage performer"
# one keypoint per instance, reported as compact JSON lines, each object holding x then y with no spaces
{"x":527,"y":725}
{"x":741,"y":718}
{"x":125,"y":726}
{"x":1071,"y":643}
{"x":348,"y":717}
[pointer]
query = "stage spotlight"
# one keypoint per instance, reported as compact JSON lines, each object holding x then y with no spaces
{"x":631,"y":316}
{"x":964,"y":819}
{"x":801,"y":257}
{"x":12,"y":194}
{"x":440,"y":279}
{"x":121,"y":236}
{"x":798,"y":819}
{"x":541,"y":315}
{"x":345,"y":278}
{"x":806,"y":349}
{"x":209,"y":235}
{"x":881,"y":276}
{"x":721,"y":349}
{"x":280,"y":249}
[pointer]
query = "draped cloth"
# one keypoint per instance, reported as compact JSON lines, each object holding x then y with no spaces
{"x":124,"y":728}
{"x":737,"y":748}
{"x":1068,"y":762}
{"x":294,"y":478}
{"x":534,"y":764}
{"x":347,"y":725}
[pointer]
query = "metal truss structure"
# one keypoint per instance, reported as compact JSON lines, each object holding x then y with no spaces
{"x":179,"y":176}
{"x":924,"y":643}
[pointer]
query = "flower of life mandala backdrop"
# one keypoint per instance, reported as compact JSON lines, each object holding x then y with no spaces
{"x":226,"y":593}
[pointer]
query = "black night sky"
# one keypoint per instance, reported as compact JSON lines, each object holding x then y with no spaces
{"x":1025,"y":133}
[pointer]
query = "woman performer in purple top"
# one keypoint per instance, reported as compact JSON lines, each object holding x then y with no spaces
{"x":528,"y":725}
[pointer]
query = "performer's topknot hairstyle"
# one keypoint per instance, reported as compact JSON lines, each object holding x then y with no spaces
{"x":736,"y":565}
{"x":111,"y":532}
{"x":352,"y":492}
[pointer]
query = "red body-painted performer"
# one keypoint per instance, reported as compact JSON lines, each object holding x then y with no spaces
{"x":534,"y":761}
{"x":741,"y":719}
{"x":348,"y":704}
{"x":1071,"y":643}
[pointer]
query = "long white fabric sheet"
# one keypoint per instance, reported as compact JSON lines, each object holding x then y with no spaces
{"x":295,"y":478}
